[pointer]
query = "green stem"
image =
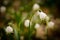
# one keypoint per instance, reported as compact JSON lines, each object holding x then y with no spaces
{"x":29,"y":31}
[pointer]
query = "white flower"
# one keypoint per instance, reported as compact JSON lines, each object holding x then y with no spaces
{"x":50,"y":24}
{"x":26,"y":23}
{"x":42,"y":15}
{"x":3,"y":9}
{"x":35,"y":6}
{"x":37,"y":26}
{"x":9,"y":29}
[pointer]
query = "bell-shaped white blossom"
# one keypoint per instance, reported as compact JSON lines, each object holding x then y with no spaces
{"x":9,"y":29}
{"x":3,"y":9}
{"x":50,"y":24}
{"x":42,"y":15}
{"x":37,"y":26}
{"x":26,"y":23}
{"x":35,"y":6}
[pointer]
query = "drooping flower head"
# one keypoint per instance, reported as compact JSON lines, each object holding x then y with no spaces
{"x":50,"y":24}
{"x":26,"y":23}
{"x":9,"y":29}
{"x":37,"y":26}
{"x":43,"y":15}
{"x":36,"y":6}
{"x":3,"y":9}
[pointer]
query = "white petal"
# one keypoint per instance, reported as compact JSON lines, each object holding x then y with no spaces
{"x":9,"y":29}
{"x":50,"y":24}
{"x":35,"y":6}
{"x":26,"y":23}
{"x":3,"y":9}
{"x":37,"y":26}
{"x":42,"y":15}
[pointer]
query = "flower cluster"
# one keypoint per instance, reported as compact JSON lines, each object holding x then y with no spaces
{"x":35,"y":22}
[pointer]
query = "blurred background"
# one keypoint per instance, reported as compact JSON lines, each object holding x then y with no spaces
{"x":29,"y":20}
